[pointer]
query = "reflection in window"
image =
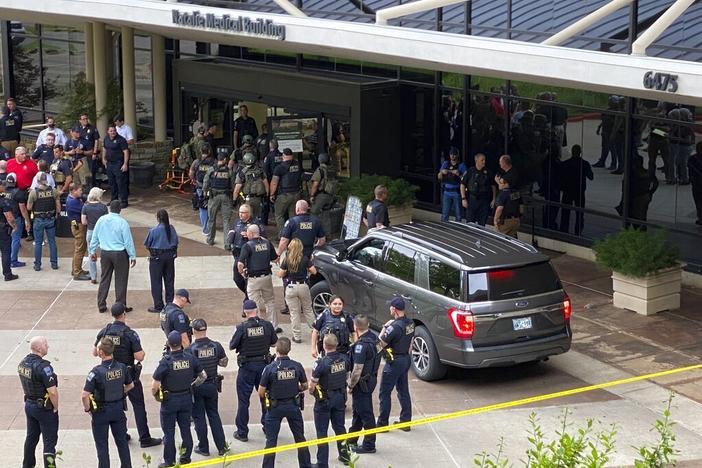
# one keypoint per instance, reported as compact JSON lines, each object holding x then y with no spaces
{"x":477,"y":287}
{"x":144,"y":92}
{"x":444,"y":279}
{"x":27,"y":73}
{"x":371,"y":254}
{"x":400,"y":263}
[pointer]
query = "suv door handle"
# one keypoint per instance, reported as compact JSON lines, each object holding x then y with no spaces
{"x":405,"y":297}
{"x":368,"y":282}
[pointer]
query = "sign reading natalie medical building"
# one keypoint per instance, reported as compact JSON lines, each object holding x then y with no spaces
{"x":239,"y":24}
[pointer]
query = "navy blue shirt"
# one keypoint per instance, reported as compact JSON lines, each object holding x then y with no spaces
{"x":174,"y":318}
{"x":4,"y":154}
{"x":74,"y":208}
{"x":305,"y":227}
{"x":236,"y":240}
{"x":114,"y":149}
{"x":88,"y":136}
{"x":98,"y":378}
{"x":156,"y":238}
{"x":398,"y":335}
{"x":44,"y":152}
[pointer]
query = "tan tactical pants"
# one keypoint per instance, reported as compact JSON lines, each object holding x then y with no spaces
{"x":299,"y":301}
{"x":509,"y":226}
{"x":260,"y":290}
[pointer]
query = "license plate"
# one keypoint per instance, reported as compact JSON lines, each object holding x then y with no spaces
{"x":521,"y":323}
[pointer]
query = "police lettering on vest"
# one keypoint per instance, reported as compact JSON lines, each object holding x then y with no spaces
{"x":285,"y":376}
{"x":305,"y":227}
{"x":106,"y":382}
{"x":257,"y":254}
{"x":36,"y":375}
{"x":221,"y":180}
{"x":178,"y":371}
{"x":202,"y":168}
{"x":209,"y":353}
{"x":376,"y":212}
{"x":291,"y":180}
{"x":45,"y":204}
{"x":331,"y":371}
{"x":123,"y":351}
{"x":253,"y":339}
{"x":399,"y":335}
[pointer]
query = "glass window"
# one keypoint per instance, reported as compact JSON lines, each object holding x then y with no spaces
{"x":27,"y":72}
{"x":444,"y":279}
{"x":371,"y":254}
{"x":523,"y":281}
{"x":57,"y":68}
{"x":400,"y":263}
{"x":477,"y":287}
{"x":144,"y":91}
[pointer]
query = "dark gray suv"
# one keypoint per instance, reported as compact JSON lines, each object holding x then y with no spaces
{"x":478,"y":298}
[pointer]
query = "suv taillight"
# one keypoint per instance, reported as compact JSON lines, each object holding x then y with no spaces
{"x":462,"y":323}
{"x":567,"y":308}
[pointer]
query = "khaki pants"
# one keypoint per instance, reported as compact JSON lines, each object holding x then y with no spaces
{"x":509,"y":227}
{"x":285,"y":208}
{"x":10,"y":146}
{"x":299,"y":301}
{"x":79,"y":247}
{"x":260,"y":290}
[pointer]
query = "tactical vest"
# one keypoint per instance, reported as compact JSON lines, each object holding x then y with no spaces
{"x":180,"y":372}
{"x":335,"y":379}
{"x":478,"y":183}
{"x":206,"y":352}
{"x":450,"y":180}
{"x":402,"y":345}
{"x":260,"y":259}
{"x":115,"y":332}
{"x":372,"y":370}
{"x":255,"y":343}
{"x":328,"y":184}
{"x":202,"y":168}
{"x":45,"y":204}
{"x":284,"y":380}
{"x":109,"y":382}
{"x":221,"y":179}
{"x":59,"y":176}
{"x":291,"y":182}
{"x":29,"y":373}
{"x":337,"y":325}
{"x":253,"y":181}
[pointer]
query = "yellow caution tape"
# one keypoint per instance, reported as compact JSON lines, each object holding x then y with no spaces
{"x":440,"y":417}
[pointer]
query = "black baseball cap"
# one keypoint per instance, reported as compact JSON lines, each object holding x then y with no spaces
{"x":397,"y":302}
{"x":174,"y":339}
{"x":183,"y":293}
{"x":287,"y":152}
{"x":199,"y":324}
{"x":250,"y":305}
{"x":118,"y":309}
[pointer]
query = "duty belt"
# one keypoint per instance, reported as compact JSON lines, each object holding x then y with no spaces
{"x":297,"y":282}
{"x":219,"y":192}
{"x":45,"y":215}
{"x":157,"y":252}
{"x":259,"y":275}
{"x":182,"y":392}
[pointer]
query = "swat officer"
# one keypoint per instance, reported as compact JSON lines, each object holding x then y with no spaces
{"x":9,"y":211}
{"x":249,"y":146}
{"x":90,"y":140}
{"x":282,"y":383}
{"x":236,"y":239}
{"x":254,"y":264}
{"x":324,"y":186}
{"x":218,"y":184}
{"x":205,"y":397}
{"x":41,"y":403}
{"x":396,"y":339}
{"x":270,"y":162}
{"x":252,"y":340}
{"x":177,"y":373}
{"x":252,"y":183}
{"x":303,"y":226}
{"x":104,"y":397}
{"x":335,"y":321}
{"x":127,"y":349}
{"x":362,"y":382}
{"x":286,"y":186}
{"x":376,"y":214}
{"x":478,"y":191}
{"x":329,"y":391}
{"x":198,"y":169}
{"x":174,"y":318}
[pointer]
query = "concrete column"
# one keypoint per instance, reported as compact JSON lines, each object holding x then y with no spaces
{"x":89,"y":54}
{"x":100,"y":76}
{"x":158,"y":68}
{"x":128,"y":80}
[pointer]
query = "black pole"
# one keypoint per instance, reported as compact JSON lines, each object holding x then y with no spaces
{"x":629,"y":145}
{"x":8,"y":82}
{"x":437,"y":106}
{"x":467,"y":124}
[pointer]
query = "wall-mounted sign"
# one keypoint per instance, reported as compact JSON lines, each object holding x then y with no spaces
{"x":661,"y":81}
{"x":238,"y":24}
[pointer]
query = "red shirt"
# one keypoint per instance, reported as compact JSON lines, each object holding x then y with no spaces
{"x":25,"y":171}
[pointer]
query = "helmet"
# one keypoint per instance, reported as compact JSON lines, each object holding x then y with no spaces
{"x":323,"y":158}
{"x":248,"y":139}
{"x":11,"y":180}
{"x":249,"y":159}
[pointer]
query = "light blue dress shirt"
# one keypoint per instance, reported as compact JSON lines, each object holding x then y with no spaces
{"x":112,"y":233}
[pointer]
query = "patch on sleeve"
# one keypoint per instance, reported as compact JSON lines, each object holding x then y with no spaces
{"x":181,"y":318}
{"x":91,"y":376}
{"x":48,"y":371}
{"x":388,"y":330}
{"x":359,"y":349}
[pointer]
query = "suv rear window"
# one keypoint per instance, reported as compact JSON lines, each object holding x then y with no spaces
{"x":523,"y":281}
{"x":444,"y":279}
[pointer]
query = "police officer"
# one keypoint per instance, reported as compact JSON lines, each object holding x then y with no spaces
{"x":335,"y":321}
{"x":252,"y":340}
{"x":508,"y":209}
{"x":270,"y":162}
{"x":9,"y":210}
{"x":116,"y":161}
{"x":286,"y":186}
{"x":127,"y":349}
{"x":244,"y":125}
{"x":177,"y":373}
{"x":249,"y":146}
{"x":44,"y":202}
{"x":450,"y":175}
{"x":90,"y":139}
{"x":41,"y":403}
{"x":252,"y":183}
{"x":218,"y":184}
{"x":396,"y":339}
{"x":61,"y":170}
{"x":376,"y":214}
{"x":104,"y":397}
{"x":205,"y":397}
{"x":198,"y":169}
{"x":254,"y":264}
{"x":329,"y":390}
{"x":74,"y":149}
{"x":362,"y":382}
{"x":478,"y":191}
{"x":303,"y":226}
{"x":236,"y":239}
{"x":282,"y":384}
{"x":45,"y":151}
{"x":174,"y":318}
{"x":324,"y":186}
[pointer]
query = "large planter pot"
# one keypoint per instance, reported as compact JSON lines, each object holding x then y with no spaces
{"x":142,"y":173}
{"x":400,"y":214}
{"x":648,"y":295}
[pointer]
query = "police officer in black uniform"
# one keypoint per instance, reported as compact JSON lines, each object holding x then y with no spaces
{"x":40,"y":386}
{"x":198,"y":169}
{"x":329,"y":390}
{"x":206,"y":397}
{"x":177,"y":373}
{"x":478,"y":191}
{"x":286,"y":185}
{"x":282,"y":384}
{"x":303,"y":226}
{"x":237,"y":238}
{"x":127,"y":350}
{"x":90,"y":140}
{"x":336,"y":321}
{"x":174,"y":318}
{"x":362,"y":382}
{"x":252,"y":340}
{"x":255,"y":264}
{"x":116,"y":161}
{"x":9,"y":211}
{"x":218,"y":185}
{"x":396,"y":339}
{"x":104,"y":396}
{"x":376,"y":214}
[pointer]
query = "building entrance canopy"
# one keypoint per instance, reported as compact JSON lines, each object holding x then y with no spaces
{"x":639,"y":76}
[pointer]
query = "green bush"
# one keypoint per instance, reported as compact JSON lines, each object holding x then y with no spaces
{"x":634,"y":252}
{"x":400,"y":192}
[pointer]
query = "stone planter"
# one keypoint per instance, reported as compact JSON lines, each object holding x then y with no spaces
{"x":400,"y":214}
{"x":649,"y":295}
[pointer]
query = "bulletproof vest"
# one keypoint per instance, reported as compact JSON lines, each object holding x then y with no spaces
{"x":180,"y":372}
{"x":45,"y":202}
{"x":304,"y":230}
{"x":202,"y":168}
{"x":284,"y":380}
{"x":336,"y":324}
{"x":221,"y":179}
{"x":59,"y":176}
{"x":335,"y":379}
{"x":478,"y":183}
{"x":260,"y":259}
{"x":253,"y":181}
{"x":123,"y":349}
{"x":166,"y":317}
{"x":256,"y":341}
{"x":206,"y":352}
{"x":402,"y":345}
{"x":451,"y":180}
{"x":109,"y":381}
{"x":291,"y":182}
{"x":370,"y":368}
{"x":511,"y":209}
{"x":29,"y":373}
{"x":240,"y":226}
{"x":329,"y":183}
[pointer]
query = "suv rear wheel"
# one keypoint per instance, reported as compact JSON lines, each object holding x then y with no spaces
{"x":321,"y":294}
{"x":425,"y":358}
